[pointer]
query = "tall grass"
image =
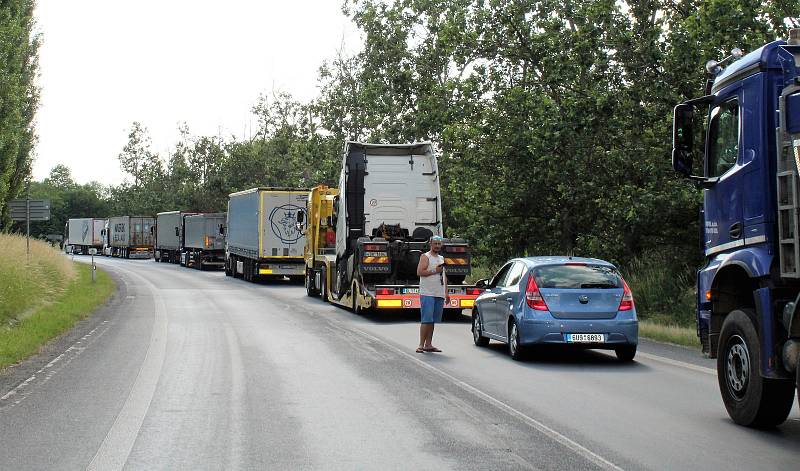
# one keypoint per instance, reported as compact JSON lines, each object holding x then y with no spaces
{"x":663,"y":289}
{"x":27,"y":283}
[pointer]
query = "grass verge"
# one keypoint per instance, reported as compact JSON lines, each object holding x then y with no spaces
{"x":77,"y":301}
{"x":678,"y":335}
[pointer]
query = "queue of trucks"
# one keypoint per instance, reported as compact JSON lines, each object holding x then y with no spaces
{"x":357,"y":246}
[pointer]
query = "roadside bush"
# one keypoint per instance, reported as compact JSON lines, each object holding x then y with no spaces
{"x":663,"y":288}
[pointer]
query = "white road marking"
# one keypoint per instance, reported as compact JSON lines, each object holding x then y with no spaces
{"x":118,"y":443}
{"x":539,"y":426}
{"x":679,"y":364}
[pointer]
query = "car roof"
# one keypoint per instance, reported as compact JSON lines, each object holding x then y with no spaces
{"x":559,"y":260}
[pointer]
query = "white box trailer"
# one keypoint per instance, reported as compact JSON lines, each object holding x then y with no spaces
{"x":81,"y":234}
{"x":263,"y":238}
{"x":131,"y":236}
{"x":204,"y":240}
{"x":169,"y":236}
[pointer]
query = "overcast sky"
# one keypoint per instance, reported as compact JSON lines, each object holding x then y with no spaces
{"x":105,"y":64}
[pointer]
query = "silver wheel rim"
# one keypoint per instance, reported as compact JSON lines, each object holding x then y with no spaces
{"x":475,"y":328}
{"x":513,"y":341}
{"x":737,"y":367}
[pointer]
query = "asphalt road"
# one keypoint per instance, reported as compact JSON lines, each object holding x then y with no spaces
{"x":193,"y":370}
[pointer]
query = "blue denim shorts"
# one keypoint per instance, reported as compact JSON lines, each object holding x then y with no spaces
{"x":431,"y":309}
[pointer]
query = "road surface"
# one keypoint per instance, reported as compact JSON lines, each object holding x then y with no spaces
{"x":192,"y":370}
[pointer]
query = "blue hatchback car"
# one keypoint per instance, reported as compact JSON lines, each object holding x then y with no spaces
{"x":581,"y":302}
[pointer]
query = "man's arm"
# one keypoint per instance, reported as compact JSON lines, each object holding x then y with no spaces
{"x":422,"y":266}
{"x":446,"y":293}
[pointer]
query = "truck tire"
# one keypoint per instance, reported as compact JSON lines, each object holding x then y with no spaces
{"x":323,"y":283}
{"x":311,"y":290}
{"x":198,"y":260}
{"x":751,"y":400}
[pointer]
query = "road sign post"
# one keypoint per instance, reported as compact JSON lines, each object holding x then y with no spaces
{"x":29,"y":210}
{"x":93,"y":252}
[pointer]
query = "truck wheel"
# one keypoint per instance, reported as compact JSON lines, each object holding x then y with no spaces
{"x":451,"y":314}
{"x":311,"y":290}
{"x":323,"y":284}
{"x":198,"y":260}
{"x":477,"y":331}
{"x":227,"y":267}
{"x":751,"y":400}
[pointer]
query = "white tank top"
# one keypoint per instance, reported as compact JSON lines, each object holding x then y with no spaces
{"x":432,"y":285}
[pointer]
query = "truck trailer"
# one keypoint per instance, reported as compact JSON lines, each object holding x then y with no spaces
{"x":748,"y":305}
{"x":131,"y":236}
{"x":82,"y":234}
{"x":263,"y":239}
{"x":204,"y":240}
{"x":366,"y":241}
{"x":169,"y":236}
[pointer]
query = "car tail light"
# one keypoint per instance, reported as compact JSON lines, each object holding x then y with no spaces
{"x":534,"y":297}
{"x":374,"y":247}
{"x":627,"y":298}
{"x":456,"y":249}
{"x":474,"y":291}
{"x":384,"y":291}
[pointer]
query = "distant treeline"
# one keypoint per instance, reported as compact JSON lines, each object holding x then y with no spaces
{"x":552,"y":118}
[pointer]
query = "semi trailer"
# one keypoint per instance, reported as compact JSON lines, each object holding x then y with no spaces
{"x":204,"y":240}
{"x":367,"y":238}
{"x":82,"y":234}
{"x":131,"y":236}
{"x":263,"y":239}
{"x":748,"y":305}
{"x":169,"y":236}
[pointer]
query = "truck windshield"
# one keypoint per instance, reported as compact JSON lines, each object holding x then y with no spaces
{"x":577,"y":277}
{"x":723,"y":138}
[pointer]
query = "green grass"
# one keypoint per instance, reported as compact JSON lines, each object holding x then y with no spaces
{"x":42,"y":298}
{"x":674,"y":334}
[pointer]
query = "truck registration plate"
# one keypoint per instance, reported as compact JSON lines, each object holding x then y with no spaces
{"x":410,"y":290}
{"x":586,"y":338}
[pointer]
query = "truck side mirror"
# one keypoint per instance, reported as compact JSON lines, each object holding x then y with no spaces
{"x":683,"y":139}
{"x":222,"y":229}
{"x":301,"y":215}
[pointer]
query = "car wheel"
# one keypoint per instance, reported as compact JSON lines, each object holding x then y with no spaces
{"x":750,"y":399}
{"x":515,"y":348}
{"x":626,"y":353}
{"x":477,"y":332}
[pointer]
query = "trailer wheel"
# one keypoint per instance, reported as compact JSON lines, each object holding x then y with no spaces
{"x":311,"y":290}
{"x":751,"y":400}
{"x":198,"y":260}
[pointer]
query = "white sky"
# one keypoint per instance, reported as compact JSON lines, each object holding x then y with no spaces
{"x":107,"y":63}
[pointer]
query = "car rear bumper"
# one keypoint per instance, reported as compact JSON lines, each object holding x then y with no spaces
{"x":552,"y":331}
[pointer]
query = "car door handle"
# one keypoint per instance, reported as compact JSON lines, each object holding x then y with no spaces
{"x":735,"y":230}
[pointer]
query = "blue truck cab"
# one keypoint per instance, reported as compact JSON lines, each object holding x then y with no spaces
{"x":749,"y":285}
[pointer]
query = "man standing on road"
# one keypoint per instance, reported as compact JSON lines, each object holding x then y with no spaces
{"x":432,"y":293}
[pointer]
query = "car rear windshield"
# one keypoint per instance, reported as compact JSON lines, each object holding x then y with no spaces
{"x":577,"y":277}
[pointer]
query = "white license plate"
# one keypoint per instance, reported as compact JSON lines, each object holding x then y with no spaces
{"x":411,"y":291}
{"x":586,"y":338}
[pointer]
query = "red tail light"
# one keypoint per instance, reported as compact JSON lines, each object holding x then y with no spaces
{"x":330,"y":238}
{"x":457,"y":249}
{"x":384,"y":291}
{"x":474,"y":291}
{"x":374,"y":247}
{"x":627,"y":298}
{"x":534,"y":297}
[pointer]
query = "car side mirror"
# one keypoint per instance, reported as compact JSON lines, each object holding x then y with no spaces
{"x":482,"y":284}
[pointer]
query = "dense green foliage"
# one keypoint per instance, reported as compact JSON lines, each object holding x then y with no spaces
{"x":552,"y":119}
{"x":18,"y":98}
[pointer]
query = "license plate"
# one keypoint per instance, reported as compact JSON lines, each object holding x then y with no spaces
{"x":411,"y":291}
{"x":586,"y":338}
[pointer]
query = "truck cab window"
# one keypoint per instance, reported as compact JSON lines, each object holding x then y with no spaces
{"x":723,"y":138}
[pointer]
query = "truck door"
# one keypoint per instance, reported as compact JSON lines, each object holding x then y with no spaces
{"x":724,"y":228}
